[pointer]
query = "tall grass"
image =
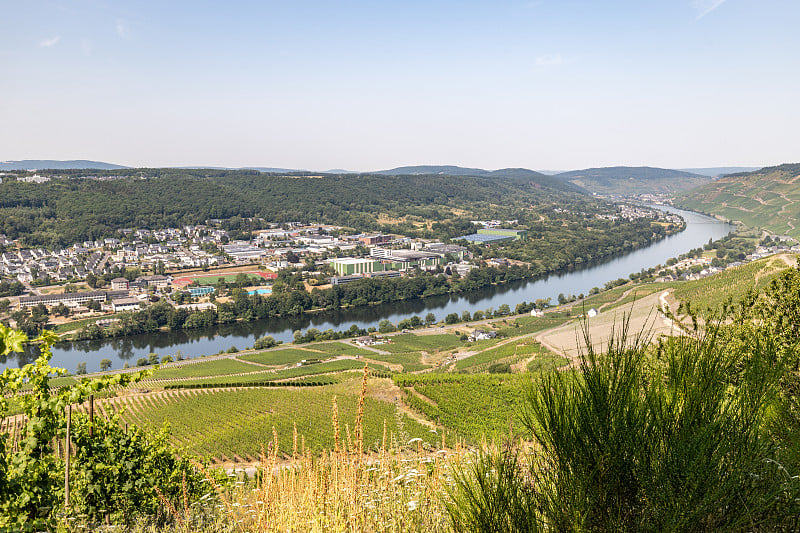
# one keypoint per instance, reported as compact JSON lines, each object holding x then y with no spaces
{"x":632,"y":440}
{"x":344,"y":489}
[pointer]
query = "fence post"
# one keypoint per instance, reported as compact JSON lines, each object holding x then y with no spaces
{"x":66,"y":456}
{"x":91,"y":415}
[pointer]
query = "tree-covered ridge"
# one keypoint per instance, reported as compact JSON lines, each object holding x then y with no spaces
{"x":633,"y":180}
{"x":768,"y":198}
{"x":66,"y":210}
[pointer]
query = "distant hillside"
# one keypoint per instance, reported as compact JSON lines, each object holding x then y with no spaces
{"x":768,"y":198}
{"x":633,"y":180}
{"x":36,"y":164}
{"x":445,"y":170}
{"x":523,"y":174}
{"x":718,"y":171}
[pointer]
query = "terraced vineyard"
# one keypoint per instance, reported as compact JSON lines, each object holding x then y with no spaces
{"x":339,"y":348}
{"x":236,"y":423}
{"x":408,"y":342}
{"x":511,"y":352}
{"x":529,"y":324}
{"x":411,"y":362}
{"x":217,"y":367}
{"x":282,"y":357}
{"x":733,"y":283}
{"x":472,"y":406}
{"x":767,"y":198}
{"x":265,"y":375}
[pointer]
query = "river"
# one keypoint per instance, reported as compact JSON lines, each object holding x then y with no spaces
{"x":193,"y":343}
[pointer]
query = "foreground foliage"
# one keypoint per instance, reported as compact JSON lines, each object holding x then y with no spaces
{"x":698,"y":435}
{"x":115,"y":474}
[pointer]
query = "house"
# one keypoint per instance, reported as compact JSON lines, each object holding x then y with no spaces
{"x":125,"y":304}
{"x":365,"y":341}
{"x":481,"y":335}
{"x":537,"y":312}
{"x":118,"y":284}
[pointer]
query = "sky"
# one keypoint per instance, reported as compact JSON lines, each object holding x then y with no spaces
{"x":367,"y":85}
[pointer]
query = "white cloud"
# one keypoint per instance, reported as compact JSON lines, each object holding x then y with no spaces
{"x":122,"y":29}
{"x":52,"y":41}
{"x":704,"y":7}
{"x":549,"y":59}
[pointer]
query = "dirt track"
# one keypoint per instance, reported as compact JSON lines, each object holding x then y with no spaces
{"x":644,"y":316}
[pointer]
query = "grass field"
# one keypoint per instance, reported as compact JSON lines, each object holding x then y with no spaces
{"x":76,"y":324}
{"x":211,"y":279}
{"x":212,"y":423}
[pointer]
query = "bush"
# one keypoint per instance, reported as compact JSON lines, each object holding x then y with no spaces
{"x":263,"y":343}
{"x":627,"y":443}
{"x":499,"y":368}
{"x":120,"y":471}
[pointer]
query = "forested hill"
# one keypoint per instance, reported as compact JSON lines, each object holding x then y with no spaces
{"x":515,"y":173}
{"x":30,"y":164}
{"x":768,"y":198}
{"x":633,"y":180}
{"x":71,"y":209}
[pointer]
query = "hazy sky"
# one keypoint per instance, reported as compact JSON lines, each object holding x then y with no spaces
{"x":360,"y":85}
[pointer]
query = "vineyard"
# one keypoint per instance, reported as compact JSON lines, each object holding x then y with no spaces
{"x":410,"y":362}
{"x":217,"y":367}
{"x":473,"y":406}
{"x":733,"y":283}
{"x":510,"y":353}
{"x":527,"y":324}
{"x":339,"y":348}
{"x":234,"y":424}
{"x":409,"y":342}
{"x":287,"y":356}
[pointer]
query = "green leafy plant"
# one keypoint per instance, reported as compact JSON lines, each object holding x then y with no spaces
{"x":31,"y":474}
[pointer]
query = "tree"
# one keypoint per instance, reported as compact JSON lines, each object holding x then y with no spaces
{"x":385,"y":326}
{"x":105,"y":364}
{"x":451,"y":318}
{"x":430,"y":319}
{"x":263,"y":343}
{"x":93,"y":305}
{"x":81,"y":369}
